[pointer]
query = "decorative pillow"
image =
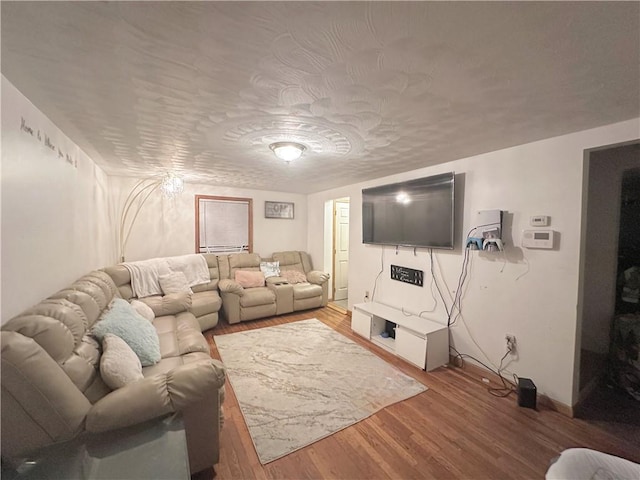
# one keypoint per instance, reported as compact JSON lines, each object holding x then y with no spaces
{"x":174,"y":282}
{"x":122,"y":320}
{"x":270,"y":269}
{"x":170,"y":304}
{"x":249,"y":278}
{"x":119,"y":364}
{"x":293,"y":276}
{"x":143,"y":310}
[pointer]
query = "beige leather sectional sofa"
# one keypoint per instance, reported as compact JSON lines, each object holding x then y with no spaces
{"x":205,"y":300}
{"x":52,"y":386}
{"x":52,"y":389}
{"x":240,"y":304}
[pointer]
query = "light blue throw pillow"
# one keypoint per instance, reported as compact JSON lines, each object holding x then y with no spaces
{"x":122,"y":320}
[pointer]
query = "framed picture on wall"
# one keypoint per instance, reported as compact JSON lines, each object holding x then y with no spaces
{"x":278,"y":210}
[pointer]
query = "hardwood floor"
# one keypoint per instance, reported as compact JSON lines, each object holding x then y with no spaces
{"x":456,"y":429}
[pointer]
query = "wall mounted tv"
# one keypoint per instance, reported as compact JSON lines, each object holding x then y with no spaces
{"x":415,"y":213}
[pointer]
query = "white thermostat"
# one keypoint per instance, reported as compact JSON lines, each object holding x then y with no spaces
{"x":537,"y":238}
{"x":539,"y":221}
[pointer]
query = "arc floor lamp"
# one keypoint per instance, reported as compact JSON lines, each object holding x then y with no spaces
{"x":169,"y":184}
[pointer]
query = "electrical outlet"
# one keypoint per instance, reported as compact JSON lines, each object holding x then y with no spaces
{"x":511,"y":343}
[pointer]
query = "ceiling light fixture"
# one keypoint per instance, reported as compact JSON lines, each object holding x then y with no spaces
{"x":287,"y":151}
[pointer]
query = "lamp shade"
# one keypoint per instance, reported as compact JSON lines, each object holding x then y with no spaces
{"x":172,"y":185}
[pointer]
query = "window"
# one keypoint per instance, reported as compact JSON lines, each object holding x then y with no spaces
{"x":223,"y":224}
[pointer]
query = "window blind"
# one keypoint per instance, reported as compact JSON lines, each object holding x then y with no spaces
{"x":224,"y":225}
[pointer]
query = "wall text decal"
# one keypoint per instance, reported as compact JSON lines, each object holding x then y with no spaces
{"x":37,"y":135}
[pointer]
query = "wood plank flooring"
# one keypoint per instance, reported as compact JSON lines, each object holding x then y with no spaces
{"x":456,"y":429}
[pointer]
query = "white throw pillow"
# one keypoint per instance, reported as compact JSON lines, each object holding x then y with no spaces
{"x":270,"y":269}
{"x":119,"y":364}
{"x":143,"y":310}
{"x":174,"y":282}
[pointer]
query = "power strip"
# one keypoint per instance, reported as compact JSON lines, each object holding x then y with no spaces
{"x":407,"y":275}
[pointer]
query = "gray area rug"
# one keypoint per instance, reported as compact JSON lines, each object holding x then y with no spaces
{"x":300,"y":382}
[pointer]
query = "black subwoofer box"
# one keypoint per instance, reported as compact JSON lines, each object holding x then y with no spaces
{"x":526,"y":393}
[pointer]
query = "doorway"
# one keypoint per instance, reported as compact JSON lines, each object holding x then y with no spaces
{"x":339,"y":248}
{"x":612,"y":188}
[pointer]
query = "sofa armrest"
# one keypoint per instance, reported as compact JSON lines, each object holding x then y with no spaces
{"x":157,"y":395}
{"x":230,"y":286}
{"x":170,"y":304}
{"x":275,"y":280}
{"x":317,"y":277}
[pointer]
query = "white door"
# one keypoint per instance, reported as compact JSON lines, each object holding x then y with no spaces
{"x":341,"y":249}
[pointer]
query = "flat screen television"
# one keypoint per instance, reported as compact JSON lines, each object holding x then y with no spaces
{"x":415,"y":213}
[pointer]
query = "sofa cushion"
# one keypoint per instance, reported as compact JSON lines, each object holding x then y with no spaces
{"x":294,"y":259}
{"x":249,"y":279}
{"x":119,"y":364}
{"x":168,"y":304}
{"x":293,"y":276}
{"x":174,"y":282}
{"x":120,"y":276}
{"x":203,"y":303}
{"x":179,"y":334}
{"x":214,"y":274}
{"x":122,"y":320}
{"x":143,"y":310}
{"x":102,"y":280}
{"x":244,"y":260}
{"x":40,"y":403}
{"x":254,"y":297}
{"x":315,"y":276}
{"x":85,"y":301}
{"x":306,"y":290}
{"x":94,"y":291}
{"x":58,"y":327}
{"x":167,"y":364}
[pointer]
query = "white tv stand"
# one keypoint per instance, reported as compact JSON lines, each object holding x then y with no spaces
{"x":418,"y":340}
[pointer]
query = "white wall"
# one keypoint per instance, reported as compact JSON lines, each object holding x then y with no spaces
{"x":166,"y":227}
{"x":532,"y":294}
{"x":55,"y":221}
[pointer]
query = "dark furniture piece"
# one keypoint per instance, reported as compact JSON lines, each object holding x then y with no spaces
{"x":624,"y":354}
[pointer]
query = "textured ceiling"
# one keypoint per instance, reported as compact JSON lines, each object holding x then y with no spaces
{"x":370,"y":88}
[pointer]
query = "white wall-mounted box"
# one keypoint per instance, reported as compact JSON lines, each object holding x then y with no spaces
{"x":539,"y":221}
{"x":537,"y":238}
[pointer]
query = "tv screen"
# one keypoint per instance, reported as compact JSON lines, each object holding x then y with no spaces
{"x":415,"y":213}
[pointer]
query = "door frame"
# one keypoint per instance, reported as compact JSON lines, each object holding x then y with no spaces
{"x":334,"y":218}
{"x":581,"y":392}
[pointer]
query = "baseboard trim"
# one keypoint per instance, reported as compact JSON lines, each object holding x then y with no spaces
{"x":585,"y":392}
{"x":479,"y":373}
{"x":335,"y":307}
